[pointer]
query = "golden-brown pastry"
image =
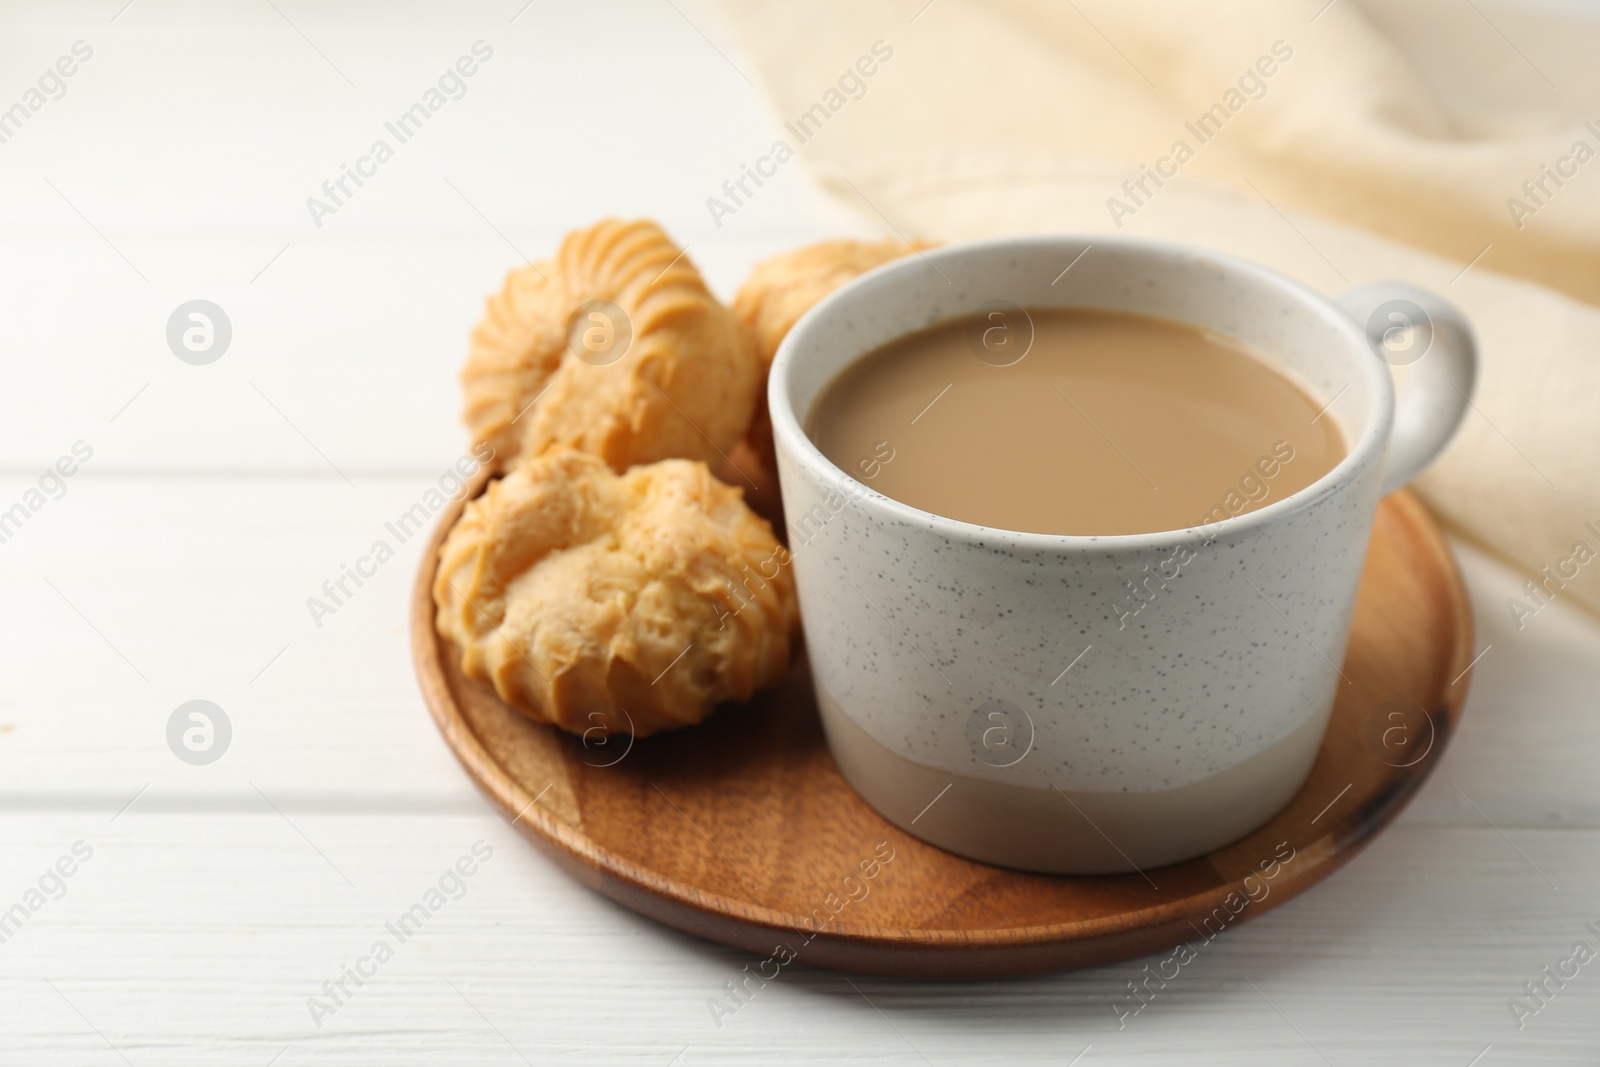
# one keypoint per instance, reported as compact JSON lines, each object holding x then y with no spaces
{"x":781,"y":289}
{"x":516,"y":347}
{"x":614,"y":347}
{"x":598,"y":601}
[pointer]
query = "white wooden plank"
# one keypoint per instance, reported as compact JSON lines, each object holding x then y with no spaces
{"x":348,"y":348}
{"x":200,"y":583}
{"x":1525,"y":752}
{"x":354,"y":329}
{"x":233,"y":123}
{"x":164,"y":942}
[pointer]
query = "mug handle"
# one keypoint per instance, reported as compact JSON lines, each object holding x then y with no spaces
{"x":1406,"y":324}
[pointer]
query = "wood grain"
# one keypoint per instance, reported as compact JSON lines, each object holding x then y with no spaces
{"x":743,"y":831}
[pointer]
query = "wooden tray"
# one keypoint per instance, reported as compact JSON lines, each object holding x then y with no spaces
{"x":742,"y":830}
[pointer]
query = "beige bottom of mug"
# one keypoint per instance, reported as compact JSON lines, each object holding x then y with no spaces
{"x":1057,"y":832}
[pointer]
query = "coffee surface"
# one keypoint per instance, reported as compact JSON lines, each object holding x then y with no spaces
{"x":1106,"y":423}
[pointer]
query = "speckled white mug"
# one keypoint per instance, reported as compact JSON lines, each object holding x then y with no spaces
{"x":1093,"y":704}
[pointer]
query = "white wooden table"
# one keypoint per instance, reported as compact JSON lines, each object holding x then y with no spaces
{"x":216,"y":900}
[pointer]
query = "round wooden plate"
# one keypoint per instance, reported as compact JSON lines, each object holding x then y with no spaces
{"x":741,"y":829}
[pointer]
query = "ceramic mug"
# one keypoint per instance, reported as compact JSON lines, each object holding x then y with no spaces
{"x":1078,"y":704}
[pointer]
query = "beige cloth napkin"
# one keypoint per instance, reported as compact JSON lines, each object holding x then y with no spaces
{"x":1340,"y":144}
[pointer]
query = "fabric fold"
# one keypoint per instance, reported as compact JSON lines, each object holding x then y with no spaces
{"x":1371,"y":144}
